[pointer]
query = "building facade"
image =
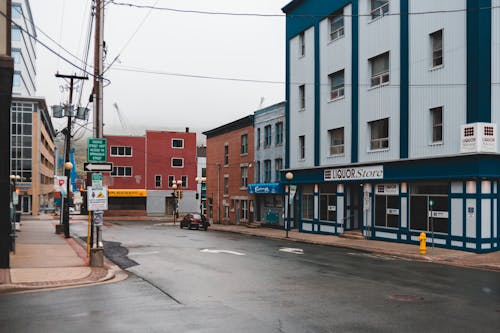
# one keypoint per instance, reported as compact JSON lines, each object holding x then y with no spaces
{"x":392,"y":119}
{"x":32,"y":154}
{"x":145,"y":169}
{"x":201,"y":179}
{"x":230,"y":158}
{"x":23,"y":34}
{"x":269,"y":137}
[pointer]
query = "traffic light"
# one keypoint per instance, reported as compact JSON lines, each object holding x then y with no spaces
{"x":180,"y":194}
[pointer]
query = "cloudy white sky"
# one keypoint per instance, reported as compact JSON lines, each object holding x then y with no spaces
{"x":251,"y":48}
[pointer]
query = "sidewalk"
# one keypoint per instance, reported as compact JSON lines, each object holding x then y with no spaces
{"x":44,"y":259}
{"x":489,"y":261}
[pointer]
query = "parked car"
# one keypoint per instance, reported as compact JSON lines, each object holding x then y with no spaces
{"x":194,"y":220}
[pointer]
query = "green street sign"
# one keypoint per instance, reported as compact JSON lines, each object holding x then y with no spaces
{"x":97,"y":149}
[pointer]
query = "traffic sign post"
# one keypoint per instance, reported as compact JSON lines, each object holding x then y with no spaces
{"x":97,"y":149}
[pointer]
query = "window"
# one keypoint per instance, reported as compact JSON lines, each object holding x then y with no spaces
{"x":257,"y":172}
{"x":226,"y":184}
{"x":184,"y":180}
{"x":16,"y":80}
{"x":302,"y":97}
{"x":244,"y":210}
{"x":17,"y":12}
{"x":244,"y":176}
{"x":420,"y":209}
{"x":308,"y":205}
{"x":267,"y":171}
{"x":15,"y":34}
{"x":119,"y":171}
{"x":171,"y":180}
{"x":336,"y":24}
{"x":267,"y":136}
{"x":157,"y":181}
{"x":177,"y":162}
{"x":226,"y":155}
{"x":257,"y":139}
{"x":379,"y":130}
{"x":379,"y":8}
{"x":244,"y":144}
{"x":121,"y":151}
{"x":437,"y":48}
{"x":279,"y":133}
{"x":380,"y":69}
{"x":17,"y":56}
{"x":278,"y":165}
{"x":302,"y":147}
{"x":302,"y":44}
{"x":336,"y":141}
{"x":437,"y":124}
{"x":336,"y":85}
{"x":387,"y":210}
{"x":177,"y":143}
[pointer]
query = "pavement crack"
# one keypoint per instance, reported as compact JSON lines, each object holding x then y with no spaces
{"x":158,"y":288}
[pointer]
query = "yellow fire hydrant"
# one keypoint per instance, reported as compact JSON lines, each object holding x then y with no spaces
{"x":423,"y":245}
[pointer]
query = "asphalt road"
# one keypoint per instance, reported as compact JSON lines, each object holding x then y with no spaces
{"x":196,"y":281}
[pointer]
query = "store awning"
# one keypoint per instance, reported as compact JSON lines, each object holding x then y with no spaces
{"x":266,"y":188}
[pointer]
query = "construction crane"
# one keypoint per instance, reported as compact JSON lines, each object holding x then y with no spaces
{"x":120,"y":116}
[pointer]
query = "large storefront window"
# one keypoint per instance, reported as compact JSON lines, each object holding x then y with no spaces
{"x":387,"y":205}
{"x":328,"y":203}
{"x":421,"y":210}
{"x":307,"y":203}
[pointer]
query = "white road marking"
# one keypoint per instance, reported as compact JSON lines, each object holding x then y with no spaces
{"x":291,"y":250}
{"x":142,"y":253}
{"x":222,"y":251}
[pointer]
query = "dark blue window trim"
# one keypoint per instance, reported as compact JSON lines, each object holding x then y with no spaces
{"x":404,"y":85}
{"x":478,"y":61}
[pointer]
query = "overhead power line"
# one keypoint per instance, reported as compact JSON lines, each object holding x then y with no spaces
{"x":311,"y":15}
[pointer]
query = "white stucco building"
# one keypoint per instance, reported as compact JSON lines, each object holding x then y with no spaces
{"x":392,"y":119}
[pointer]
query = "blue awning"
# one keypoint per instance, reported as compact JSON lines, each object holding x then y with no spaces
{"x":267,"y":188}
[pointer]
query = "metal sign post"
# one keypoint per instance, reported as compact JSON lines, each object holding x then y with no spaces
{"x":431,"y":203}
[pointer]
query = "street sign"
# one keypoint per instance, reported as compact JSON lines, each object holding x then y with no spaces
{"x":97,"y":180}
{"x":97,"y":199}
{"x":60,"y":185}
{"x":97,"y":150}
{"x":97,"y":167}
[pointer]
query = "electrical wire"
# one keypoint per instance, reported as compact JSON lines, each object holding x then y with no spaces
{"x":289,"y":15}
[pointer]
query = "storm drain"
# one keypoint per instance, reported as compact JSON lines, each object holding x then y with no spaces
{"x":406,"y":298}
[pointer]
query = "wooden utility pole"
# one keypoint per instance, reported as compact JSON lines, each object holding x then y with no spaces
{"x":96,"y":251}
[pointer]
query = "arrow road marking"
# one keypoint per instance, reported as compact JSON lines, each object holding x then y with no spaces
{"x":291,"y":250}
{"x":222,"y":251}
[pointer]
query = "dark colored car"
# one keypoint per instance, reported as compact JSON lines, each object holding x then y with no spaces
{"x":194,"y":220}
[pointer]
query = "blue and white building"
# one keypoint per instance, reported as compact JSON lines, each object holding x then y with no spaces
{"x":391,"y":119}
{"x":269,"y":154}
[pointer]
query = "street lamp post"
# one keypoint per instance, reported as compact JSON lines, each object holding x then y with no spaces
{"x":67,"y":170}
{"x":289,"y":177}
{"x":14,"y":201}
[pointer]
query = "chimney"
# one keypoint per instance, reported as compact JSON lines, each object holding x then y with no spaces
{"x":187,"y":129}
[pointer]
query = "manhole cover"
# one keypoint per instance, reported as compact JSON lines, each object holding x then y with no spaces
{"x":406,"y":298}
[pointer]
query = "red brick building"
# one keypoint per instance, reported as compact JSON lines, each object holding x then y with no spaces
{"x":145,"y":167}
{"x":230,"y":156}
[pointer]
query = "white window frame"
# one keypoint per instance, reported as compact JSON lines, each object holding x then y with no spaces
{"x":176,"y":158}
{"x":436,"y":49}
{"x":337,"y":92}
{"x":268,"y":136}
{"x":380,"y":11}
{"x":339,"y":148}
{"x":378,"y":143}
{"x":114,"y":172}
{"x":244,"y":144}
{"x":302,"y":44}
{"x":177,"y":139}
{"x":302,"y":97}
{"x":158,"y":178}
{"x":226,"y":185}
{"x":184,"y":180}
{"x":302,"y":147}
{"x":117,"y":154}
{"x":381,"y":78}
{"x":244,"y":176}
{"x":436,"y":126}
{"x":338,"y":33}
{"x":226,"y":155}
{"x":171,"y":180}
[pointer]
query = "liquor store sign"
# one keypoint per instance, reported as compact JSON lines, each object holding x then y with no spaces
{"x":360,"y":173}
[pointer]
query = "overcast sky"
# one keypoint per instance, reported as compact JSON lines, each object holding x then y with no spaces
{"x":250,"y":48}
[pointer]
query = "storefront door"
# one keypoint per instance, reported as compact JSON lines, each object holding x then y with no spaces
{"x":354,"y":211}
